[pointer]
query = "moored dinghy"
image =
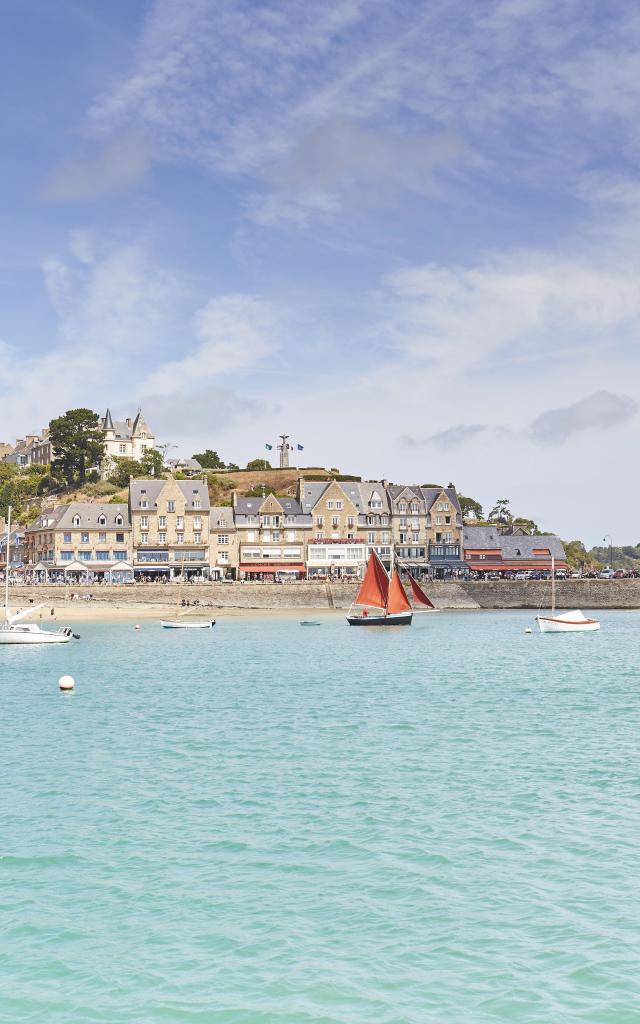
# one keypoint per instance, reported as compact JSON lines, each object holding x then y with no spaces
{"x":567,"y":622}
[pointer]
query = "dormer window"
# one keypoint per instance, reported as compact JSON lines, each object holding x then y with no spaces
{"x":102,"y":520}
{"x":119,"y":520}
{"x":402,"y":506}
{"x":76,"y":521}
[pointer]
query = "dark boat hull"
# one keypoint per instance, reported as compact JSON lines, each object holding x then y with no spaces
{"x":402,"y":619}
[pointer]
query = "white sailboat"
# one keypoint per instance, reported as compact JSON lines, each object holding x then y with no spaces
{"x":567,"y":622}
{"x":14,"y":630}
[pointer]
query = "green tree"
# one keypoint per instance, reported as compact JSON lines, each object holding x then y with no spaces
{"x":233,"y":467}
{"x":470,"y":508}
{"x":258,"y":464}
{"x":78,"y":443}
{"x":501,"y":511}
{"x":123,"y":470}
{"x":152,"y":462}
{"x":209,"y":459}
{"x":260,"y":491}
{"x":577,"y":556}
{"x":528,"y":524}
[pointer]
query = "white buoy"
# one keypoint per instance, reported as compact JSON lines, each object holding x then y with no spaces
{"x":136,"y":626}
{"x":66,"y":683}
{"x":528,"y":629}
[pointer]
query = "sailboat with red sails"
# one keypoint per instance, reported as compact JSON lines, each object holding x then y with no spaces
{"x":381,"y":598}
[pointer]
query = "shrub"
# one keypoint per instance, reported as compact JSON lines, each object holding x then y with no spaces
{"x":101,"y":488}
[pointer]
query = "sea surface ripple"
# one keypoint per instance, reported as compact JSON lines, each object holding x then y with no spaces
{"x":266,"y":823}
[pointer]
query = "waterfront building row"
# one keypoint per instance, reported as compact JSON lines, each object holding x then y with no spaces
{"x":326,"y":530}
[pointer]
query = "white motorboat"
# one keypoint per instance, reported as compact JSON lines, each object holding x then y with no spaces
{"x":30,"y":633}
{"x":14,"y":631}
{"x":567,"y":622}
{"x":183,"y":624}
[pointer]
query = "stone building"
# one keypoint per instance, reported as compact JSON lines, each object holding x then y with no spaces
{"x":80,"y":540}
{"x":488,"y":549}
{"x":272,"y":537}
{"x":125,"y":439}
{"x":22,"y":453}
{"x":223,"y":543}
{"x":170,"y":527}
{"x":427,"y":528}
{"x":349,"y":519}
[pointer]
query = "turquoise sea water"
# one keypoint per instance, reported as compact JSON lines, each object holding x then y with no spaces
{"x":267,"y":823}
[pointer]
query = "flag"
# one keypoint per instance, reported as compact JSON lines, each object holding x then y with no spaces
{"x":269,"y":447}
{"x":300,"y":447}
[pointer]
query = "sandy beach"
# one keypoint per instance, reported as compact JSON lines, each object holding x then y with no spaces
{"x":88,"y":611}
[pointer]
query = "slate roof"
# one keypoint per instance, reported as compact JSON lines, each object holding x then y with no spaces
{"x":123,"y":431}
{"x":512,"y":548}
{"x":251,"y":507}
{"x":191,"y":464}
{"x":221,"y":517}
{"x":427,"y":495}
{"x":190,"y":488}
{"x":61,"y":517}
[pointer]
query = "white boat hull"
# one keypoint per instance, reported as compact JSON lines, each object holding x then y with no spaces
{"x":188,"y":625}
{"x":33,"y":635}
{"x":568,"y":622}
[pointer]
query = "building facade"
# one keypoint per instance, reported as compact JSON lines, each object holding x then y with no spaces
{"x":125,"y":439}
{"x":223,"y":543}
{"x":427,"y":529}
{"x":80,"y":540}
{"x":272,"y":537}
{"x":170,"y":527}
{"x":486,"y":549}
{"x":349,"y":518}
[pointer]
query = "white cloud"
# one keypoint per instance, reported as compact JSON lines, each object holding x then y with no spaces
{"x":518,"y":309}
{"x":234,"y":332}
{"x":119,"y":165}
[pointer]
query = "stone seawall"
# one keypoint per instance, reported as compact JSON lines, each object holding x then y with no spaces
{"x":486,"y":594}
{"x":569,"y":593}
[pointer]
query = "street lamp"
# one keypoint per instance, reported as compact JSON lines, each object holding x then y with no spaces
{"x":604,"y":539}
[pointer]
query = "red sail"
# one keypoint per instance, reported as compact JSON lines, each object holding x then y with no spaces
{"x":375,"y":585}
{"x":397,"y":601}
{"x":419,"y":595}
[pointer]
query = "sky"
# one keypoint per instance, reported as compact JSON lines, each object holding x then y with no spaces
{"x":405,"y":233}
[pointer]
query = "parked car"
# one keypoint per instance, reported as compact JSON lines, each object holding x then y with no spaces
{"x":606,"y":574}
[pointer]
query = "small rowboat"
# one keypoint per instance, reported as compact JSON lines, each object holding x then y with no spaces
{"x":177,"y":624}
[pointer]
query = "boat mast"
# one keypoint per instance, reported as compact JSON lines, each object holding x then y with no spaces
{"x":553,"y":584}
{"x":6,"y":568}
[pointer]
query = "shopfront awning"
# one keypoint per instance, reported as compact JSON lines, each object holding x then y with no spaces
{"x":447,"y":563}
{"x":276,"y":567}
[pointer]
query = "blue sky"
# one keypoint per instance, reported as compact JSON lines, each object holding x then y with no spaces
{"x":404,"y":232}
